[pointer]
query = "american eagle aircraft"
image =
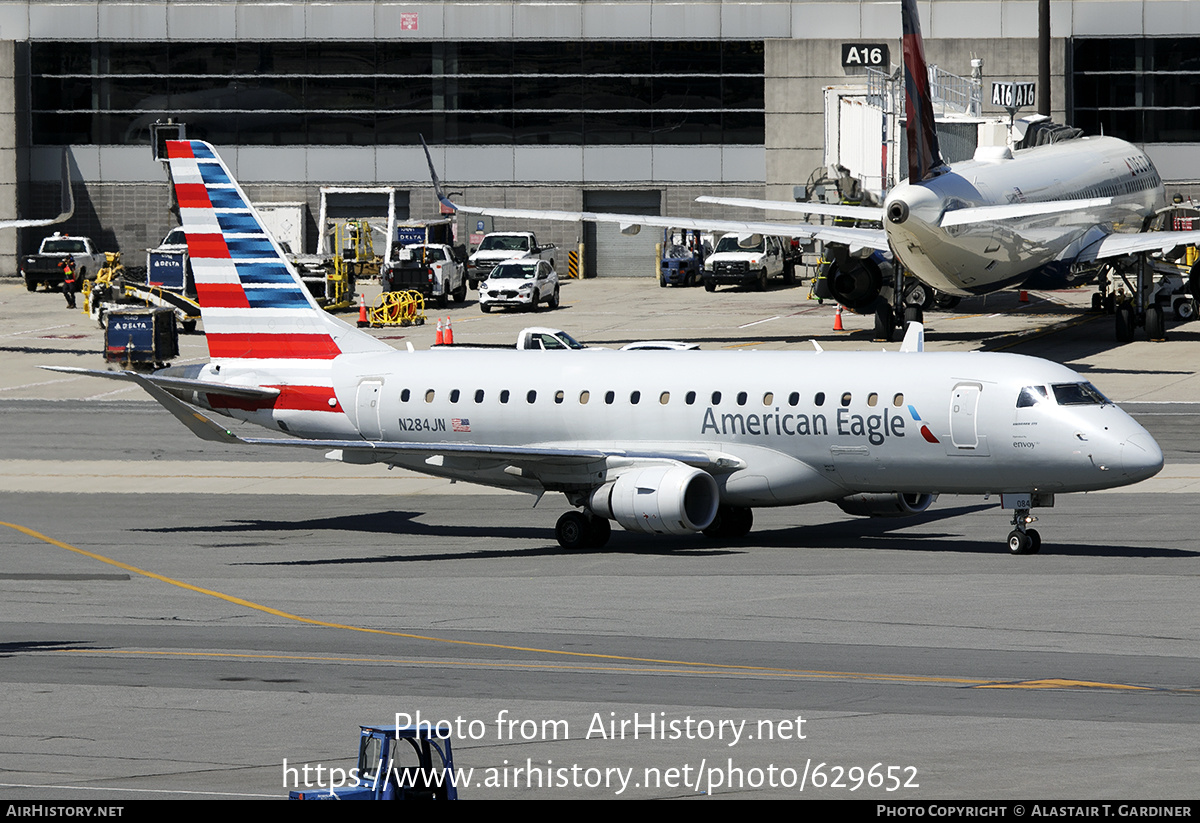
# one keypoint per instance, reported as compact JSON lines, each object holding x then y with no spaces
{"x":1043,"y":217}
{"x":658,"y":442}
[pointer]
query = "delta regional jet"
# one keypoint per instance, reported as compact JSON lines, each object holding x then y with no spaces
{"x":1048,"y":216}
{"x":658,"y":442}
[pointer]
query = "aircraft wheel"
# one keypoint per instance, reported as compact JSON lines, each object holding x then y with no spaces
{"x":885,"y":322}
{"x":1156,"y":328}
{"x":599,"y":530}
{"x":1125,"y":326}
{"x":1035,"y":541}
{"x":571,"y":531}
{"x":1019,"y":542}
{"x":945,"y":302}
{"x":731,"y":523}
{"x":1185,"y":309}
{"x":913,"y":314}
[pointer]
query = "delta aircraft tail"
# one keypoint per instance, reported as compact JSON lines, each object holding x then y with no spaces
{"x":253,"y":303}
{"x":924,"y":156}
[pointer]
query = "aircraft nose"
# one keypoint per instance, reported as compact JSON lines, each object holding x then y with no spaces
{"x":1140,"y":456}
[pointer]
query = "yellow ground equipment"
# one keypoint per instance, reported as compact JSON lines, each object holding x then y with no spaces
{"x":111,"y":290}
{"x":398,"y":308}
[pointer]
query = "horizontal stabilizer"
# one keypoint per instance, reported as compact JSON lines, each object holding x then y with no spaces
{"x":175,"y":383}
{"x":1017,"y":211}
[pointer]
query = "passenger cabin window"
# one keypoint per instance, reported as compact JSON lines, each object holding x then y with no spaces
{"x":741,"y":398}
{"x":609,"y":397}
{"x":716,"y":398}
{"x":794,"y":399}
{"x":635,"y":397}
{"x":504,"y":395}
{"x":819,"y":399}
{"x":584,"y":396}
{"x":664,"y":398}
{"x":898,"y":400}
{"x":1031,"y":396}
{"x":846,"y":399}
{"x":454,"y":395}
{"x":404,"y":395}
{"x":530,"y":396}
{"x":1078,"y":394}
{"x":429,"y":396}
{"x":479,"y":395}
{"x":558,"y":396}
{"x":689,"y":398}
{"x":873,"y":399}
{"x":768,"y":398}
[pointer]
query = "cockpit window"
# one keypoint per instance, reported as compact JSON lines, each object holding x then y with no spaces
{"x":1031,"y":396}
{"x":1078,"y":394}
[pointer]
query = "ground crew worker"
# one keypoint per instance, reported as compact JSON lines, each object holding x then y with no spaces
{"x":68,"y":270}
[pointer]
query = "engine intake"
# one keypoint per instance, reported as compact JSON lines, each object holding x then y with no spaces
{"x":659,"y":500}
{"x":886,"y":505}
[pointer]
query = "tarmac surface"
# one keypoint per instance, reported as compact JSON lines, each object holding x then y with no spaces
{"x":180,"y":619}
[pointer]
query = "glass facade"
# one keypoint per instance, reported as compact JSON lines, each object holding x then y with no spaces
{"x":381,"y":93}
{"x":1141,"y":89}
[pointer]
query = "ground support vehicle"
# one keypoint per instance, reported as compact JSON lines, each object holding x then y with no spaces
{"x":45,"y":267}
{"x":434,"y":270}
{"x":747,"y":260}
{"x":140,"y":338}
{"x":533,"y":338}
{"x":398,"y":308}
{"x":113,"y":291}
{"x":499,"y":246}
{"x":683,"y":253}
{"x":394,"y":763}
{"x":523,"y":284}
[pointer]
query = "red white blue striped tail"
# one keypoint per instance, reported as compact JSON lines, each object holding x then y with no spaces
{"x":253,"y":304}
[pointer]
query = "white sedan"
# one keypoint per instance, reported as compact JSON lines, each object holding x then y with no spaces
{"x":521,"y":283}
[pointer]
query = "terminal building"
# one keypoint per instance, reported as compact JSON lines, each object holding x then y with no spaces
{"x":601,"y":105}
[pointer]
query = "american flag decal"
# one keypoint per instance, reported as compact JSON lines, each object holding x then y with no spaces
{"x":460,"y":424}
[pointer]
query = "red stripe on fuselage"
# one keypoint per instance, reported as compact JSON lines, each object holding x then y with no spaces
{"x":294,"y":398}
{"x":192,"y":196}
{"x":222,"y":296}
{"x":273,"y":346}
{"x":207,"y":246}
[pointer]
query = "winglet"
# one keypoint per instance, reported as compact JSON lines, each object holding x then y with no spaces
{"x":924,"y":156}
{"x":437,"y":183}
{"x":914,"y":338}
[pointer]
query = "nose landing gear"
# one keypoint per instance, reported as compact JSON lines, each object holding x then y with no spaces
{"x":1023,"y":540}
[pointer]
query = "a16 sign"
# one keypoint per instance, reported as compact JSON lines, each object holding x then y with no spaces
{"x":857,"y":55}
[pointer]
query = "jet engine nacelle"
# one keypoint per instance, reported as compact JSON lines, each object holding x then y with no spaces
{"x":886,"y":505}
{"x":855,"y":282}
{"x":659,"y":500}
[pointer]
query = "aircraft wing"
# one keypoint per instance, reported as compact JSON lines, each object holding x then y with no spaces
{"x":1118,"y":245}
{"x":826,"y":209}
{"x":68,"y":204}
{"x":852,"y":237}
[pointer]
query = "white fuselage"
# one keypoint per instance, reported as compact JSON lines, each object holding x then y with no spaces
{"x":984,"y":256}
{"x":790,"y":427}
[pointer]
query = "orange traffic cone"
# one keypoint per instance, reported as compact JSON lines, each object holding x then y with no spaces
{"x":362,"y":312}
{"x":837,"y":320}
{"x":449,"y":333}
{"x":439,"y":340}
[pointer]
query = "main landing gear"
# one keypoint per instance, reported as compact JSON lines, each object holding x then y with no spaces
{"x":1023,"y":540}
{"x":582,"y":530}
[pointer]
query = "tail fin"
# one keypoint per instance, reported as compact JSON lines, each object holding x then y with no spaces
{"x":253,"y":303}
{"x":924,"y":157}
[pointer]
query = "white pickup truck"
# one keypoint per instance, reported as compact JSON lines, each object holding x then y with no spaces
{"x":746,"y":260}
{"x":429,"y":268}
{"x":505,"y":245}
{"x":43,"y":267}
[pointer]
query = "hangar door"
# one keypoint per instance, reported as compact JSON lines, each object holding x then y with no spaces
{"x":607,"y":252}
